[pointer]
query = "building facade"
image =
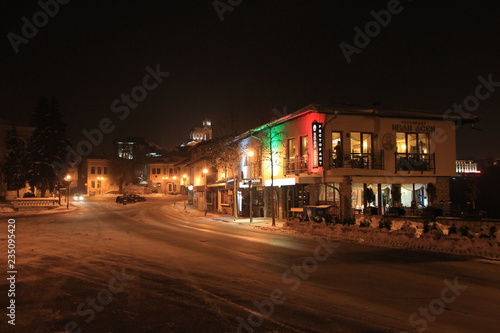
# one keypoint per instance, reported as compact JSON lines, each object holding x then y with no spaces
{"x":351,"y":158}
{"x":98,"y":177}
{"x":166,"y":177}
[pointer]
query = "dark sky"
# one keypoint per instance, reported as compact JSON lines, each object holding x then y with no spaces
{"x":264,"y":54}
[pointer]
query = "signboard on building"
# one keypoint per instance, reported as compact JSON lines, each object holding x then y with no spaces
{"x":253,"y":181}
{"x":413,"y":126}
{"x":317,"y":144}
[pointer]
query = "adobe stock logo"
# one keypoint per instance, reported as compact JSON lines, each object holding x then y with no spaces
{"x":294,"y":276}
{"x":50,"y":8}
{"x":471,"y":103}
{"x":372,"y":29}
{"x":437,"y":306}
{"x":221,"y":7}
{"x":121,"y":106}
{"x":103,"y":297}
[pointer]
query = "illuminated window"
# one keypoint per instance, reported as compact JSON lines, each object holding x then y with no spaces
{"x":337,"y":142}
{"x":337,"y":158}
{"x":412,"y":143}
{"x":304,"y":142}
{"x":361,"y":143}
{"x":291,"y":150}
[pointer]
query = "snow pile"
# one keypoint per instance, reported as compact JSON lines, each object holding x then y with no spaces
{"x":406,"y":235}
{"x":6,"y":208}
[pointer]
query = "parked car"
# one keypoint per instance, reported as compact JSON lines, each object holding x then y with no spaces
{"x":28,"y":195}
{"x":137,"y":198}
{"x":77,"y":197}
{"x":122,"y":199}
{"x":129,"y":198}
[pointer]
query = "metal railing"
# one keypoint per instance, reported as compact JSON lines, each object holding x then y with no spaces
{"x":357,"y":160}
{"x":295,"y":165}
{"x":415,"y":162}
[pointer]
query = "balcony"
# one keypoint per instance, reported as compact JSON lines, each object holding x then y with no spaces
{"x":295,"y":166}
{"x":357,"y":161}
{"x":415,"y":162}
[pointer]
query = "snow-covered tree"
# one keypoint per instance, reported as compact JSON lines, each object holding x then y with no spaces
{"x":14,"y":166}
{"x":46,"y":146}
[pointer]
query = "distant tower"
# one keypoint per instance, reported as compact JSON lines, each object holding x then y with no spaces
{"x":207,"y":127}
{"x":204,"y":133}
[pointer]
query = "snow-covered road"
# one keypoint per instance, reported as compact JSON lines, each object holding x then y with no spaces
{"x":153,"y":267}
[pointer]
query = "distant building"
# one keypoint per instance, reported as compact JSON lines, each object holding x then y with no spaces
{"x":98,"y":177}
{"x":139,"y":151}
{"x":136,"y":148}
{"x":466,"y":167}
{"x":199,"y":134}
{"x":166,"y":176}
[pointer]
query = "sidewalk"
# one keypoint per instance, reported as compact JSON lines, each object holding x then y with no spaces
{"x":256,"y":221}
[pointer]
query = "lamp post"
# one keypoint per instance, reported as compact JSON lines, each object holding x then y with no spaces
{"x":67,"y":178}
{"x":205,"y":172}
{"x":250,"y":155}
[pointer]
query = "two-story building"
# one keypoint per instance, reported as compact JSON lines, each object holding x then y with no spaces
{"x":166,"y":176}
{"x":97,"y":176}
{"x":339,"y":155}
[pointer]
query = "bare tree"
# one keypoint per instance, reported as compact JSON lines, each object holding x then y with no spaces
{"x":272,"y":140}
{"x":225,"y":153}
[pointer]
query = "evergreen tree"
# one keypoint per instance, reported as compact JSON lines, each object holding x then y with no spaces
{"x":14,"y":167}
{"x":46,"y":146}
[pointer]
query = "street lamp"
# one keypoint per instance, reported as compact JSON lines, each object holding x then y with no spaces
{"x":205,"y":172}
{"x":67,"y":178}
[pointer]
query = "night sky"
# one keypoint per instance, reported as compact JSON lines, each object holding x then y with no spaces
{"x":263,"y":55}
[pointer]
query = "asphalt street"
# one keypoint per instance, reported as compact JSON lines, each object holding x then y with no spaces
{"x":155,"y":267}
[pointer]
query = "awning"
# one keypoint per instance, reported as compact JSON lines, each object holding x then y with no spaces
{"x":217,"y":185}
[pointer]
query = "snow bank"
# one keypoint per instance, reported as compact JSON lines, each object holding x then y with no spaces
{"x":410,"y":238}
